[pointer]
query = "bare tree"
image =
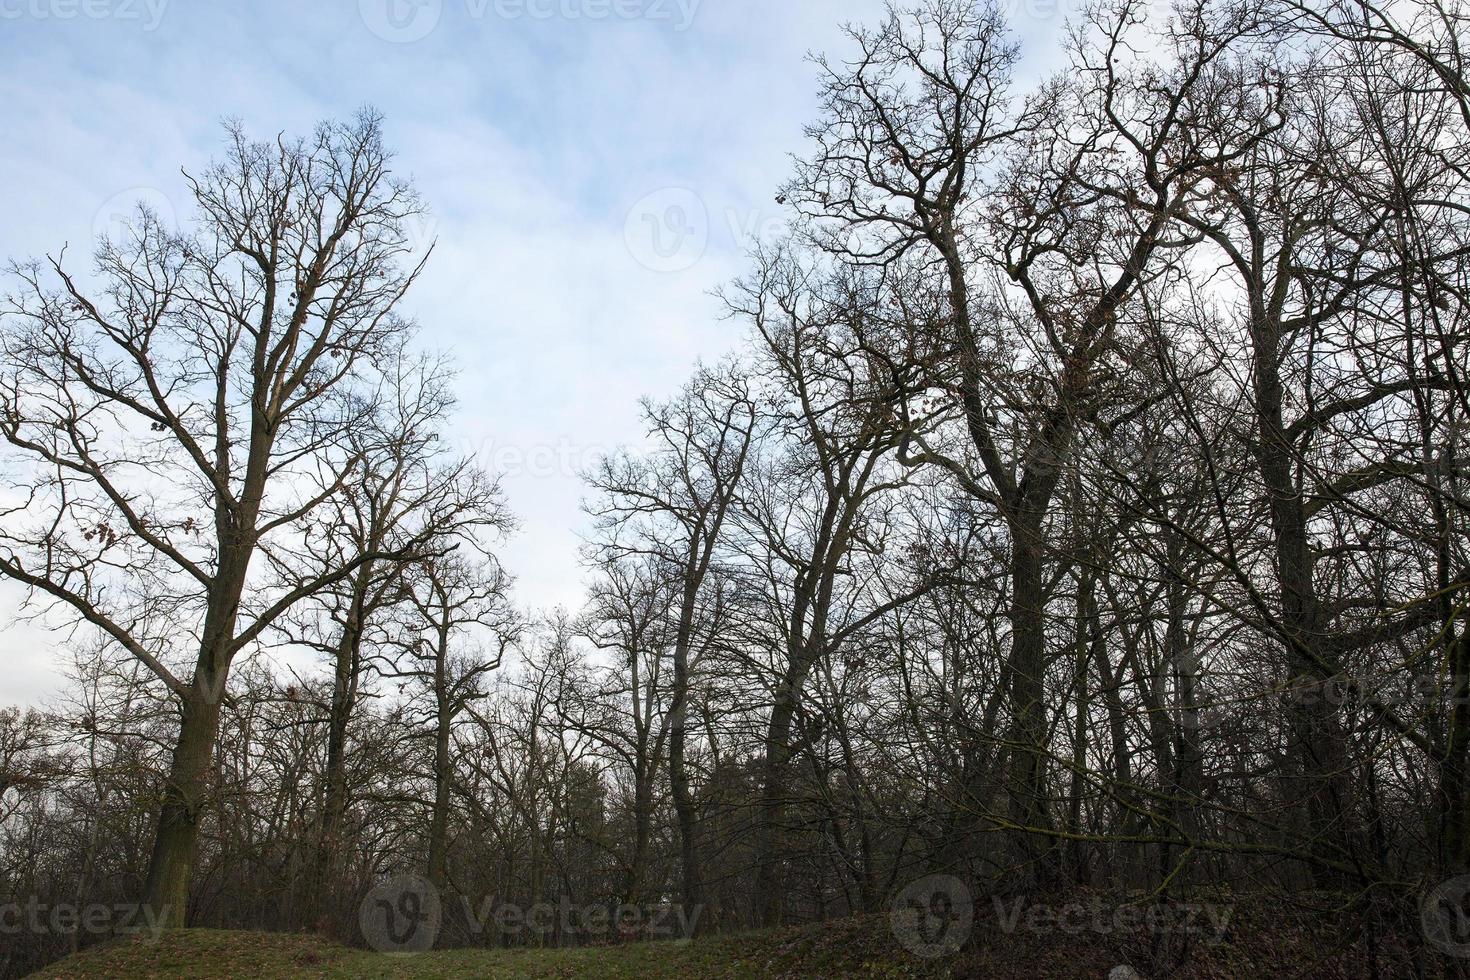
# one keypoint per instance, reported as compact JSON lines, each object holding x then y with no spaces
{"x":168,"y":418}
{"x":668,"y":511}
{"x":409,"y":488}
{"x":461,"y":625}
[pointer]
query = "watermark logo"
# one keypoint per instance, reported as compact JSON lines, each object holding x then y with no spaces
{"x":1033,"y":11}
{"x":119,"y":216}
{"x":668,"y":230}
{"x":1445,"y":917}
{"x":400,"y":21}
{"x":933,"y":916}
{"x":671,"y":229}
{"x":401,"y":915}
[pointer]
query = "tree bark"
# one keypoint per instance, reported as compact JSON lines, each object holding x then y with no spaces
{"x":685,"y":811}
{"x":334,"y":776}
{"x":1027,"y":778}
{"x":185,"y":796}
{"x":443,"y":770}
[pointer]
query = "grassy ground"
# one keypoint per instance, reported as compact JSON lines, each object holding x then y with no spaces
{"x":847,"y":950}
{"x":1261,"y":941}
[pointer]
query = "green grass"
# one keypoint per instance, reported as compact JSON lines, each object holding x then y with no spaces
{"x":1266,"y":938}
{"x":853,"y":948}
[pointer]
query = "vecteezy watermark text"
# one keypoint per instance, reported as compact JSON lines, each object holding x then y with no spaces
{"x":95,"y":919}
{"x":1202,"y":920}
{"x":933,"y":917}
{"x":588,"y":922}
{"x":536,"y":460}
{"x":147,"y":12}
{"x":404,"y":915}
{"x":405,"y":21}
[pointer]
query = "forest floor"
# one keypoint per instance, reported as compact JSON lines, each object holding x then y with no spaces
{"x":1264,"y":944}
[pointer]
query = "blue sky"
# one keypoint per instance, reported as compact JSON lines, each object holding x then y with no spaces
{"x":594,"y":168}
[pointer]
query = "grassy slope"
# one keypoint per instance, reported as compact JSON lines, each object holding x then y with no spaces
{"x":1263,"y":943}
{"x":847,"y":948}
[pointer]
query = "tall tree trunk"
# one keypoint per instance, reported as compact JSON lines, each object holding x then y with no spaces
{"x":1027,"y":778}
{"x":1087,"y":640}
{"x":166,"y":893}
{"x":1454,"y":777}
{"x":185,"y":795}
{"x":1188,"y":757}
{"x":439,"y":819}
{"x":637,"y":880}
{"x":1318,"y":742}
{"x":334,"y":776}
{"x":691,"y":883}
{"x":775,"y":791}
{"x":807,"y":632}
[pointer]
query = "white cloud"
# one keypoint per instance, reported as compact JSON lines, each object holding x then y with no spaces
{"x":529,"y":138}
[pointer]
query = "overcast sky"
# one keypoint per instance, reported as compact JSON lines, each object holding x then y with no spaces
{"x":594,"y":169}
